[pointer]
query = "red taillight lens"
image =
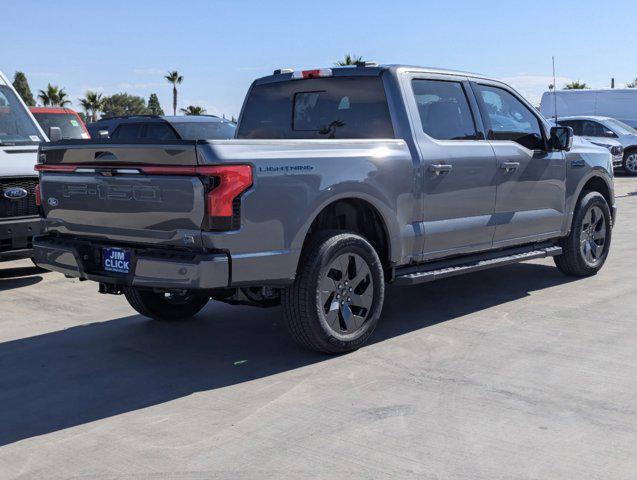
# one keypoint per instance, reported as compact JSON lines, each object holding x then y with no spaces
{"x":229,"y":182}
{"x":38,"y":195}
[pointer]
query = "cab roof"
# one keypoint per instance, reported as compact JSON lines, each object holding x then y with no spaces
{"x":368,"y":69}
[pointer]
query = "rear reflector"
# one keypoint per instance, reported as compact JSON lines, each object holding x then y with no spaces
{"x":38,"y":195}
{"x":317,"y":73}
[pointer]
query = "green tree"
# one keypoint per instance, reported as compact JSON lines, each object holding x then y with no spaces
{"x":122,"y":104}
{"x":153,"y":105}
{"x":92,"y":103}
{"x":576,"y":85}
{"x":53,"y":96}
{"x":193,"y":110}
{"x":349,"y":59}
{"x":632,"y":84}
{"x":22,"y":87}
{"x":175,"y":79}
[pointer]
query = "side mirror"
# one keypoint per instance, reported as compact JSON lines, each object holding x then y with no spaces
{"x":55,"y":134}
{"x":561,"y":138}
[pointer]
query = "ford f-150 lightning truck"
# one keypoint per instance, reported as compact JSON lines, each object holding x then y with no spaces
{"x":339,"y":180}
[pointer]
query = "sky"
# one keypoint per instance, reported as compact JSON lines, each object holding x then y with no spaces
{"x":220,"y":46}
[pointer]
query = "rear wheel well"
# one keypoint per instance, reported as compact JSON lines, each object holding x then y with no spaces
{"x":356,"y":216}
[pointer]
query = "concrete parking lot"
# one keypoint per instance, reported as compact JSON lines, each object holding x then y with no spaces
{"x":516,"y":373}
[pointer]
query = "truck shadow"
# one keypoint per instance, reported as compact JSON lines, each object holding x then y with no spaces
{"x":17,"y":277}
{"x":90,"y":372}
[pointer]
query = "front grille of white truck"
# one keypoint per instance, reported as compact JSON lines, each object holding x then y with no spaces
{"x":18,"y":207}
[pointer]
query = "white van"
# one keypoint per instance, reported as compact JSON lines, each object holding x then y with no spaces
{"x":618,"y":103}
{"x":20,"y":136}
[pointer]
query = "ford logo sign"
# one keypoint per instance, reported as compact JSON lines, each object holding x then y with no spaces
{"x":15,"y":193}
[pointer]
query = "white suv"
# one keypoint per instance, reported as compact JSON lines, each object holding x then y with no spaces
{"x":20,"y":136}
{"x":603,"y":130}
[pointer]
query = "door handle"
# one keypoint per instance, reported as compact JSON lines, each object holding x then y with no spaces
{"x":439,"y":168}
{"x":510,"y":166}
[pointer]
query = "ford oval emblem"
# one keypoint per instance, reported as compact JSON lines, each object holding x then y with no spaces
{"x":53,"y":201}
{"x":15,"y":193}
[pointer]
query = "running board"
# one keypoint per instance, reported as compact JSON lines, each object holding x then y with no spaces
{"x":429,"y":272}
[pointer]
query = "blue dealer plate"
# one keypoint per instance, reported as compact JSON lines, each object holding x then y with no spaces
{"x":116,"y":260}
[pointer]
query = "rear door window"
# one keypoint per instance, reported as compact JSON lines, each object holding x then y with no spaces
{"x":205,"y":130}
{"x":160,"y":131}
{"x":127,"y":131}
{"x":336,"y":107}
{"x":444,"y":110}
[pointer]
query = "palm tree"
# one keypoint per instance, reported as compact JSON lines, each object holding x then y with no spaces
{"x":174,"y":78}
{"x":349,"y":60}
{"x":53,"y":96}
{"x":632,"y":84}
{"x":193,"y":110}
{"x":93,"y":103}
{"x":576,"y":85}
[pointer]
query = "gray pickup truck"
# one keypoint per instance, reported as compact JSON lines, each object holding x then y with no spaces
{"x":338,"y":181}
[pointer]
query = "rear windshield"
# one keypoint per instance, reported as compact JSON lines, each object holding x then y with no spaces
{"x":16,"y":127}
{"x":67,"y":122}
{"x":204,"y":130}
{"x":345,"y":107}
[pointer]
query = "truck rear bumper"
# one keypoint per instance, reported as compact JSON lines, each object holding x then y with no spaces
{"x":150,"y":268}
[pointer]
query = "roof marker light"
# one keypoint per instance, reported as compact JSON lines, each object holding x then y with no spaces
{"x":316,"y":73}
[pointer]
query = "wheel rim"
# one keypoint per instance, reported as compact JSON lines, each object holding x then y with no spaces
{"x":593,"y":236}
{"x":631,"y":163}
{"x":346,"y":293}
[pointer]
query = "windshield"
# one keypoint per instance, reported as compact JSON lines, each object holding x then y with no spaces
{"x":621,"y":127}
{"x":16,"y":127}
{"x":204,"y":130}
{"x":67,"y":122}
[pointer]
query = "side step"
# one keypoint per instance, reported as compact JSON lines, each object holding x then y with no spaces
{"x":429,"y":272}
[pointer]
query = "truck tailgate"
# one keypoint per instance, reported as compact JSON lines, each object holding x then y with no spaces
{"x":123,"y":193}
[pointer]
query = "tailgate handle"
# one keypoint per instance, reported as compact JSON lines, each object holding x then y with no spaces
{"x":105,"y":156}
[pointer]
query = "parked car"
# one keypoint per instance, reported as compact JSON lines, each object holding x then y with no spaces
{"x":340,"y":179}
{"x":184,"y":127}
{"x":619,"y":103}
{"x":603,"y":130}
{"x":612,"y":145}
{"x":67,"y":120}
{"x":19,"y":139}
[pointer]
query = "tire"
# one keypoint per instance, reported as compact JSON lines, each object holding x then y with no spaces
{"x":630,"y":162}
{"x":165,"y":307}
{"x":585,"y":250}
{"x":335,"y":267}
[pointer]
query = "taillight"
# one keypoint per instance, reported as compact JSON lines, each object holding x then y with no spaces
{"x":38,"y":195}
{"x":223,"y":205}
